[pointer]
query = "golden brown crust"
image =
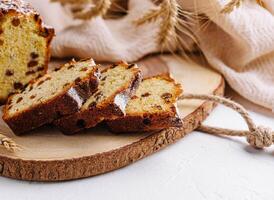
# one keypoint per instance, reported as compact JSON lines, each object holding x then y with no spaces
{"x":68,"y":102}
{"x":144,"y":123}
{"x":19,"y":7}
{"x":139,"y":122}
{"x":16,"y":6}
{"x":112,"y":108}
{"x":91,"y":165}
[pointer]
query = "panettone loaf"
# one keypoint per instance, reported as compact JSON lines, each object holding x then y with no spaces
{"x":116,"y":85}
{"x":153,"y":107}
{"x":24,"y":46}
{"x":61,"y":92}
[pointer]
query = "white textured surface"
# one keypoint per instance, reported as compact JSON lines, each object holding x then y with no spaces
{"x":199,"y":166}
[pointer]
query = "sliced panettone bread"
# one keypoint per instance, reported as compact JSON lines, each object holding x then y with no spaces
{"x":153,"y":107}
{"x":61,"y":92}
{"x":24,"y":46}
{"x":116,"y":85}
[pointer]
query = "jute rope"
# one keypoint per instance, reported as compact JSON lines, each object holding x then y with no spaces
{"x":257,"y":136}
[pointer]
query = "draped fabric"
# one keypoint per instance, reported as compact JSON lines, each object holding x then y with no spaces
{"x":240,"y":45}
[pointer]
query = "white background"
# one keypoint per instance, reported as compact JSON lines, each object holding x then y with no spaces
{"x":200,"y":166}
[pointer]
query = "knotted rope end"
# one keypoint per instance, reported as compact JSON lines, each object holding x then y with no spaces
{"x":261,"y":137}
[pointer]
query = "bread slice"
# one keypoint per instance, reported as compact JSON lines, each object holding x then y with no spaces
{"x":152,"y":108}
{"x":116,"y":85}
{"x":24,"y":46}
{"x":61,"y":92}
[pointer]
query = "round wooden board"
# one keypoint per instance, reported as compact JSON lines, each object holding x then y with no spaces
{"x":48,"y":155}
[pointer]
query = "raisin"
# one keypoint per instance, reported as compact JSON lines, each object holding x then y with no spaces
{"x":39,"y":76}
{"x":166,"y":96}
{"x":57,"y":69}
{"x":15,"y":22}
{"x":134,"y":97}
{"x":146,"y":94}
{"x":34,"y":55}
{"x":65,"y":85}
{"x":157,"y":107}
{"x":32,"y":96}
{"x":147,"y":121}
{"x":9,"y":72}
{"x":1,"y":31}
{"x":130,"y":66}
{"x":32,"y":63}
{"x":30,"y":88}
{"x":104,"y":78}
{"x":98,"y":95}
{"x":19,"y":99}
{"x":40,"y":68}
{"x":18,"y":85}
{"x":77,"y":80}
{"x":30,"y":72}
{"x":1,"y":42}
{"x":48,"y":78}
{"x":81,"y":123}
{"x":91,"y":105}
{"x":71,"y":66}
{"x":40,"y":83}
{"x":84,"y":69}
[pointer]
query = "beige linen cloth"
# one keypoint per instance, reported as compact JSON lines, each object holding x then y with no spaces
{"x":240,"y":45}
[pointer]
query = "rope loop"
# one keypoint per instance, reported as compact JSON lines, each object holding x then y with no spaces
{"x":257,"y":136}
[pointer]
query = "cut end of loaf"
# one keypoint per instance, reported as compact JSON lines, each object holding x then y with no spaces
{"x":24,"y":46}
{"x":61,"y":92}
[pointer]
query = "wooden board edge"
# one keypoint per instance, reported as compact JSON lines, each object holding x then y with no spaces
{"x":77,"y":168}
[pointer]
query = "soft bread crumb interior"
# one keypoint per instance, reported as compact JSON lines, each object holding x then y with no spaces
{"x":50,"y":85}
{"x":154,"y":95}
{"x":20,"y":43}
{"x":112,"y":81}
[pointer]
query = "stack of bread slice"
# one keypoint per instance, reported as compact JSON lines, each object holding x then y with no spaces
{"x":54,"y":95}
{"x":79,"y":96}
{"x":116,"y":85}
{"x":151,"y":108}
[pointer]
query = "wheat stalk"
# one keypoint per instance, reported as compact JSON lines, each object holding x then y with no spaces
{"x":261,"y":3}
{"x":169,"y":11}
{"x":86,"y":9}
{"x":236,"y":4}
{"x":8,"y":143}
{"x":231,"y":6}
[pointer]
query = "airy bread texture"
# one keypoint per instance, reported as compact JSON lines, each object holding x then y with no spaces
{"x":24,"y":46}
{"x":61,"y":92}
{"x":151,"y":108}
{"x":116,"y":85}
